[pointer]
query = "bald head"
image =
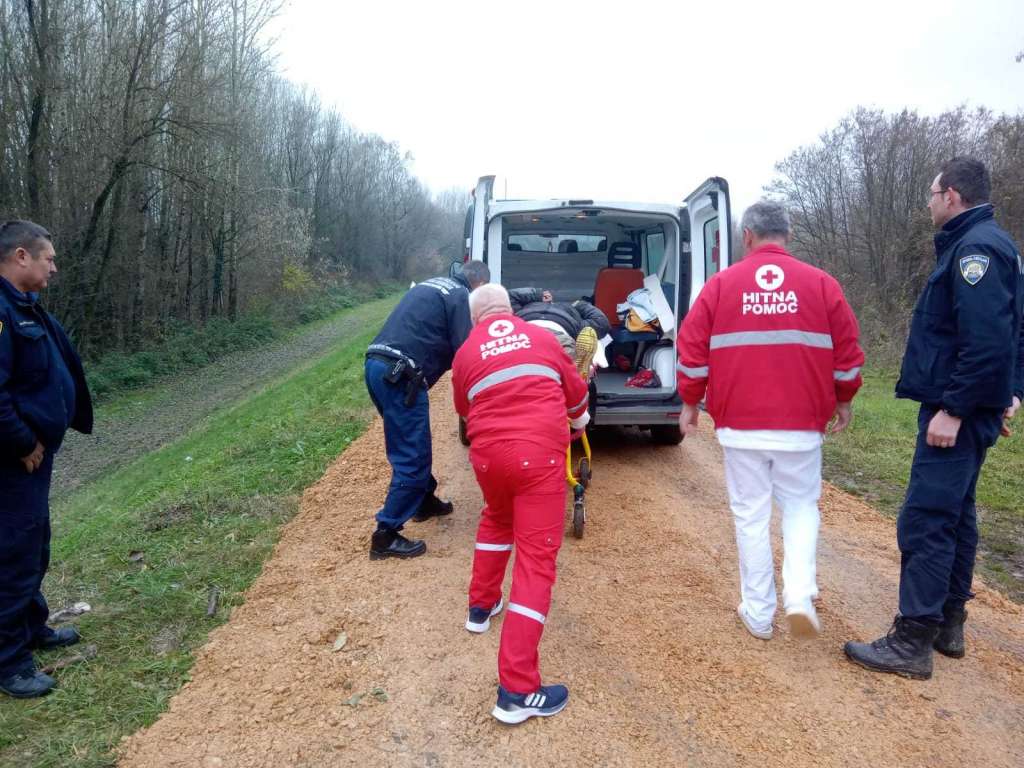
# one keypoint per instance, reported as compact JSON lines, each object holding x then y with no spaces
{"x":489,"y":299}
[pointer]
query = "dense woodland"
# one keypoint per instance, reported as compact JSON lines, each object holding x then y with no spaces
{"x":183,"y":178}
{"x":858,"y":200}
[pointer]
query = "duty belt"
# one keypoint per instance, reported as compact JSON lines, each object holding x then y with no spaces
{"x":403,"y":369}
{"x":386,"y":353}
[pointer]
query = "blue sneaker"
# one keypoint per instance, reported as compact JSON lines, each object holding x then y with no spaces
{"x":515,"y":708}
{"x":479,"y":619}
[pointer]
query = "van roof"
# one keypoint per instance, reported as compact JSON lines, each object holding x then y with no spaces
{"x":498,"y":207}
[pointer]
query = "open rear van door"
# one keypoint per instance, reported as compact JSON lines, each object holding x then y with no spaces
{"x":710,"y":232}
{"x":481,"y":199}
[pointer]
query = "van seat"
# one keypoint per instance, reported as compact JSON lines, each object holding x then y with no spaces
{"x":615,"y":282}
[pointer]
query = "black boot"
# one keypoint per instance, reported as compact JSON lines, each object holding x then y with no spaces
{"x":387,"y":543}
{"x":432,"y":507}
{"x":56,"y":638}
{"x":950,"y":640}
{"x":906,"y":650}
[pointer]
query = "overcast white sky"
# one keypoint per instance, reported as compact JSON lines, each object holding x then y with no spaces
{"x":639,"y":100}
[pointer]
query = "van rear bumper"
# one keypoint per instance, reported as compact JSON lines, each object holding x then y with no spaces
{"x":640,"y":414}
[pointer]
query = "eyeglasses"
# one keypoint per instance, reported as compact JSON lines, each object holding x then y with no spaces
{"x":939,"y":191}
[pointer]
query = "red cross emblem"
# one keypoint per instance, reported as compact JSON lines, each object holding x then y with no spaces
{"x":769,"y":277}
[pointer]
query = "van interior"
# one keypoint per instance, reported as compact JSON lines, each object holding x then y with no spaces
{"x":601,"y":256}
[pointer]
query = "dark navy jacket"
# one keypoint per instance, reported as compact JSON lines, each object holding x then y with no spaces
{"x":428,"y":325}
{"x":41,"y":376}
{"x":966,"y":348}
{"x":572,"y":317}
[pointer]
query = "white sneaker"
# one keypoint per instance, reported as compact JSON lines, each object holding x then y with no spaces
{"x":479,"y":619}
{"x":761,"y":633}
{"x":803,"y":621}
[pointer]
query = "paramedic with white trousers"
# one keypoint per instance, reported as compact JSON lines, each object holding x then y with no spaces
{"x":771,"y":345}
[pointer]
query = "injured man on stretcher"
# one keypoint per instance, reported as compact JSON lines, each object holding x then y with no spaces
{"x":577,"y":325}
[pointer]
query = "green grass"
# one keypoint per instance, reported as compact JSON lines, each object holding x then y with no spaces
{"x":187,"y":347}
{"x":204,"y":512}
{"x":872,"y":459}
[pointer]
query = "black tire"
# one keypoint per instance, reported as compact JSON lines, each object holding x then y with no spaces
{"x":579,"y":518}
{"x":667,"y":434}
{"x":463,"y":437}
{"x":584,"y":472}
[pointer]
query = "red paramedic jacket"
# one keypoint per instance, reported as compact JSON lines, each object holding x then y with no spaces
{"x":513,"y":381}
{"x":774,"y":344}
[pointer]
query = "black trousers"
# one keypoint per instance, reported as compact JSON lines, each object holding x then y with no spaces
{"x":937,"y":528}
{"x":24,"y":558}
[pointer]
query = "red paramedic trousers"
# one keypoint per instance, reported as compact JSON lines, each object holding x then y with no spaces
{"x":524,"y":493}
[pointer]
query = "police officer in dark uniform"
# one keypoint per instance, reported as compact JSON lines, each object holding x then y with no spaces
{"x":412,"y":351}
{"x":42,"y":393}
{"x":964,"y":364}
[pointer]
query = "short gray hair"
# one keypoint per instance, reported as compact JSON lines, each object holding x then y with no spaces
{"x":17,"y":233}
{"x":488,"y":299}
{"x":767,"y":218}
{"x":476,"y":273}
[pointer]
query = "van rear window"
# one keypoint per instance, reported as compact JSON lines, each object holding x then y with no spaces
{"x":557,"y":243}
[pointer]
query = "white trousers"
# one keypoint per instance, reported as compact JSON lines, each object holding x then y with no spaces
{"x":793,"y":478}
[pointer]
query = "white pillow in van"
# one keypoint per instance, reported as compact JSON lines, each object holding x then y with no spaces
{"x":666,"y":317}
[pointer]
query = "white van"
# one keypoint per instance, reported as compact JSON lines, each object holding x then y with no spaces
{"x":602,"y":250}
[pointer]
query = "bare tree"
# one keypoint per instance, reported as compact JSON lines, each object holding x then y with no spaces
{"x":182,"y":176}
{"x":858,"y":199}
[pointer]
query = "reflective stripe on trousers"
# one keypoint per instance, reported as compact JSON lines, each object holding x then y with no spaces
{"x":524,"y":490}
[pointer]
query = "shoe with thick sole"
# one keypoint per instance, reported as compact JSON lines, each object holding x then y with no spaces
{"x":479,"y":619}
{"x":950,"y":640}
{"x":803,"y":622}
{"x":27,"y":684}
{"x":906,"y":650}
{"x":433,"y":507}
{"x":385,"y":544}
{"x":758,"y":632}
{"x":515,"y":708}
{"x":57,"y":638}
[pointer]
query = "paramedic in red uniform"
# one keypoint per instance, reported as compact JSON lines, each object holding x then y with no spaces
{"x":773,"y":343}
{"x":519,"y":392}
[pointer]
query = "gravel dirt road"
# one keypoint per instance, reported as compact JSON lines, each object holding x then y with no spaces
{"x":642,"y":629}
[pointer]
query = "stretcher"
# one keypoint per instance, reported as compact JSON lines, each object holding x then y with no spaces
{"x":579,"y":481}
{"x":586,"y":347}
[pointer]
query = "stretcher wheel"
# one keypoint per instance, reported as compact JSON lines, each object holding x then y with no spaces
{"x":579,"y":518}
{"x":463,"y":437}
{"x":583,"y":472}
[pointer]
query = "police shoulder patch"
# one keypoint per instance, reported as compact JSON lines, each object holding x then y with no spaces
{"x":974,"y":267}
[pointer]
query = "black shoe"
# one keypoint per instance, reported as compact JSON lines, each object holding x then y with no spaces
{"x":433,"y":507}
{"x":387,"y":543}
{"x":27,"y":684}
{"x":950,"y":640}
{"x":906,"y":650}
{"x":57,"y":638}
